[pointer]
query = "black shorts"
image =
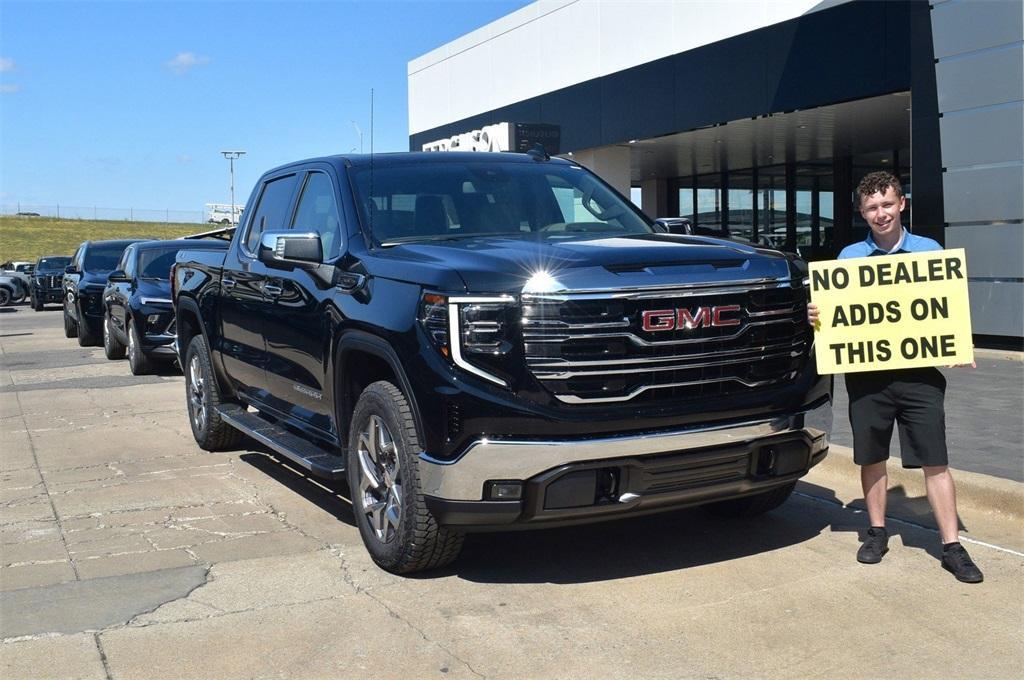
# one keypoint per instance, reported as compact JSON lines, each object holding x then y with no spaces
{"x":913,"y":398}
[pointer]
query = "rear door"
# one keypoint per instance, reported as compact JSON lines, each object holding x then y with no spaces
{"x":298,"y":331}
{"x":244,"y":306}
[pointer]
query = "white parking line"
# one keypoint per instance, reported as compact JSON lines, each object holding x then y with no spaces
{"x":912,"y":524}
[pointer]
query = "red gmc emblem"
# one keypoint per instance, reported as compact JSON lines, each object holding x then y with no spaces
{"x":683,"y":319}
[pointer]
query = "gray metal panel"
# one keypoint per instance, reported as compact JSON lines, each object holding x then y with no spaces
{"x":994,"y":77}
{"x":959,"y":27}
{"x":993,"y":250}
{"x":984,"y":194}
{"x":997,"y":308}
{"x":983,"y":136}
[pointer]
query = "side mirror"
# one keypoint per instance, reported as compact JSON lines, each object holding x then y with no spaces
{"x":118,"y":276}
{"x":287,"y":249}
{"x":70,"y":269}
{"x":673,"y":225}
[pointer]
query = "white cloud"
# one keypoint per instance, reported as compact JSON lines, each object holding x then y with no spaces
{"x":184,"y":61}
{"x":9,"y":88}
{"x":6,"y":65}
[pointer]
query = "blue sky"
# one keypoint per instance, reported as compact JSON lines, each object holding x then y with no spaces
{"x":127,"y":104}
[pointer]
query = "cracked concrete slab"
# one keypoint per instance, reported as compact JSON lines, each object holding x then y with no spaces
{"x":93,"y":604}
{"x":73,"y":656}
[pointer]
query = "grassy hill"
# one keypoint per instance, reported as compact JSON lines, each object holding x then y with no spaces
{"x":26,"y":238}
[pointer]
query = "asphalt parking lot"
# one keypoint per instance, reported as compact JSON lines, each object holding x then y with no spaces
{"x":128,"y":552}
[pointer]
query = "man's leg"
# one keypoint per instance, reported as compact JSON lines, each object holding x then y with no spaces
{"x":875,"y":481}
{"x":938,"y":483}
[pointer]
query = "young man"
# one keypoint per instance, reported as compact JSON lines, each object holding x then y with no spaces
{"x":912,"y":397}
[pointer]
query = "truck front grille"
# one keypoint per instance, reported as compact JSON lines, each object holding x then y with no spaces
{"x":594,"y":347}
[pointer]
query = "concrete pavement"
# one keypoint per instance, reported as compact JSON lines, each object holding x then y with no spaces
{"x":127,"y":552}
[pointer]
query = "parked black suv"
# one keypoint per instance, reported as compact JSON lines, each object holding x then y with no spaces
{"x":47,"y":280}
{"x":482,"y":341}
{"x":138,"y":315}
{"x":83,"y":283}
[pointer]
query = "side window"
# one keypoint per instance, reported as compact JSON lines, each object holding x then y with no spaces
{"x":76,"y":261}
{"x":271,"y":211}
{"x":318,"y":212}
{"x":127,"y":263}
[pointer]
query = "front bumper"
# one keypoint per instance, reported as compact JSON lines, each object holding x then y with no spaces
{"x":587,"y":479}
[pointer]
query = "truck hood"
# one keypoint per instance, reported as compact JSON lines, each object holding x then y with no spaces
{"x":539,"y":264}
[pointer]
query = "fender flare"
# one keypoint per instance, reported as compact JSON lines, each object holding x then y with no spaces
{"x":377,"y":346}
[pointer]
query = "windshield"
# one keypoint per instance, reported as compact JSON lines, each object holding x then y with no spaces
{"x":156,"y":263}
{"x":442,"y":200}
{"x":103,"y":257}
{"x":53,"y":262}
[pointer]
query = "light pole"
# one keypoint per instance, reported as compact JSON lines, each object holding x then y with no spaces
{"x":231,"y":156}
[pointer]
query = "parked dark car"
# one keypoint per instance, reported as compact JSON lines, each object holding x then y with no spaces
{"x":48,"y":280}
{"x":84,"y":281}
{"x":138,"y":315}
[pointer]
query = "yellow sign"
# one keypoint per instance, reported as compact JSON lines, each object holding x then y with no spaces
{"x":892,"y":311}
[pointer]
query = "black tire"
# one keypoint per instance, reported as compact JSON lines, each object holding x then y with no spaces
{"x":5,"y":297}
{"x":37,"y":304}
{"x":86,"y":336}
{"x":70,"y":327}
{"x":752,"y":506}
{"x":417,"y":542}
{"x":112,"y":347}
{"x":137,"y":359}
{"x":202,"y":391}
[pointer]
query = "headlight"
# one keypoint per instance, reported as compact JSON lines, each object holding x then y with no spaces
{"x":473,"y":332}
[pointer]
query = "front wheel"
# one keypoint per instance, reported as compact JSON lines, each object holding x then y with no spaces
{"x":138,"y":362}
{"x":37,"y":304}
{"x":383,"y":475}
{"x":86,"y":336}
{"x":5,"y":297}
{"x":70,"y":327}
{"x":112,"y":347}
{"x":202,"y":395}
{"x":751,"y":506}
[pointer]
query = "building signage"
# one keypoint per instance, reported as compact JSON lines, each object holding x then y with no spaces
{"x":519,"y":137}
{"x":894,"y":311}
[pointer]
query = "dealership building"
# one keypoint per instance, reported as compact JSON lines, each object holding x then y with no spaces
{"x":757,"y":118}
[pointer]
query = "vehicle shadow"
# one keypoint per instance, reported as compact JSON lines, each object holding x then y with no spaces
{"x":331,"y":496}
{"x":637,"y":546}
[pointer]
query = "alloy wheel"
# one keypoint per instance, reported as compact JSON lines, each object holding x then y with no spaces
{"x":197,"y":396}
{"x":380,"y":479}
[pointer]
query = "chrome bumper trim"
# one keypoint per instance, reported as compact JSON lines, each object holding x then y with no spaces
{"x":484,"y":459}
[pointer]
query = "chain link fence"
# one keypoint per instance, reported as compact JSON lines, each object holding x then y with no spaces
{"x":77,"y":212}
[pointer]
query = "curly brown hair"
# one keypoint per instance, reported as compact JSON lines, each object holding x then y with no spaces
{"x":878,"y":182}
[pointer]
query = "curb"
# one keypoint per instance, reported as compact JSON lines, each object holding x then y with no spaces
{"x":980,"y":492}
{"x":1004,"y":354}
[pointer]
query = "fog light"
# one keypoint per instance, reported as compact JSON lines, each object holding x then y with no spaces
{"x":505,"y":491}
{"x":152,"y":319}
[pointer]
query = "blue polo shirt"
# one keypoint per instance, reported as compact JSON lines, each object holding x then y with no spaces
{"x":908,"y":244}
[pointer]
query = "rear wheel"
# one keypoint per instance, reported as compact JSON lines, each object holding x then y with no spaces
{"x":383,"y":475}
{"x":202,"y":394}
{"x":5,"y":297}
{"x":751,"y":506}
{"x":112,"y":347}
{"x":137,"y":359}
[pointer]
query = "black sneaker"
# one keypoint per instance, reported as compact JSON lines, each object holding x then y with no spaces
{"x":956,"y":561}
{"x":875,"y":545}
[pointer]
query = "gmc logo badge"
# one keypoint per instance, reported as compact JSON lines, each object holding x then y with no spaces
{"x":682,"y":319}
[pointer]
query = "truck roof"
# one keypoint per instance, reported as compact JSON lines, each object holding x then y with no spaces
{"x":381,"y":160}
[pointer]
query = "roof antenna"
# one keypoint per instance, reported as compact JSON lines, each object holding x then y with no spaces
{"x":372,"y":202}
{"x":538,"y":153}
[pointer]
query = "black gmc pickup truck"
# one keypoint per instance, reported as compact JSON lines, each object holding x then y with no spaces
{"x":488,"y":341}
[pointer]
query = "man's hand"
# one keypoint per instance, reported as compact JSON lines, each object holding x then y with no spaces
{"x":812,"y":315}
